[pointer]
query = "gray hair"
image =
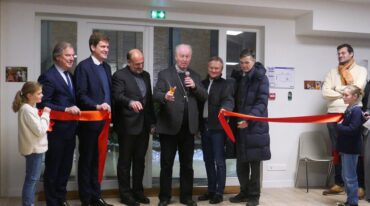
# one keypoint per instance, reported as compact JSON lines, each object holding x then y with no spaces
{"x":183,"y":45}
{"x":59,"y":48}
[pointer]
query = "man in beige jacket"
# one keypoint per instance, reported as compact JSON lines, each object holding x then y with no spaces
{"x":347,"y":73}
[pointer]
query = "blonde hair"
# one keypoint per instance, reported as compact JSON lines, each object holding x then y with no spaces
{"x":354,"y":90}
{"x":20,"y":98}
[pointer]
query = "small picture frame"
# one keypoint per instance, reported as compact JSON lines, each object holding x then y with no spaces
{"x":16,"y":74}
{"x":312,"y":85}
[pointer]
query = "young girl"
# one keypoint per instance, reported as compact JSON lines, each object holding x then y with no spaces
{"x":31,"y":135}
{"x":350,"y":142}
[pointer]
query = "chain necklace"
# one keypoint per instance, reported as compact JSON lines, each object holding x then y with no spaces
{"x":183,"y":88}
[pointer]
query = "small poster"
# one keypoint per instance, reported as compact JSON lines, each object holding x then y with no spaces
{"x":16,"y":74}
{"x":281,"y":77}
{"x":313,"y":85}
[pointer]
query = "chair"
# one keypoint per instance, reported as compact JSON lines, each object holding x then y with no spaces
{"x":313,"y":148}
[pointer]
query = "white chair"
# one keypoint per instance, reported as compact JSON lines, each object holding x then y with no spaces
{"x":313,"y":148}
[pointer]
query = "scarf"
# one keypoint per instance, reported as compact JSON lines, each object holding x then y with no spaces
{"x":345,"y":76}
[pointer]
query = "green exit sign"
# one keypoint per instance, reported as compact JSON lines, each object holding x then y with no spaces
{"x":158,"y":14}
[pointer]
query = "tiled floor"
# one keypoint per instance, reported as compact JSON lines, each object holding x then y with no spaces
{"x":270,"y":197}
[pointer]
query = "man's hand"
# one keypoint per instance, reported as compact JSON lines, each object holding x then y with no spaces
{"x":73,"y":110}
{"x":189,"y":82}
{"x":242,"y":124}
{"x":136,"y":106}
{"x":366,"y":115}
{"x":103,"y":106}
{"x":169,"y":96}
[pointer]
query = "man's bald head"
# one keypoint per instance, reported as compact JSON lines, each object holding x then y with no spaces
{"x":135,"y":60}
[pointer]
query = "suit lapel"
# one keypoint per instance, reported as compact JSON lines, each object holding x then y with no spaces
{"x":132,"y":80}
{"x":175,"y":81}
{"x":108,"y":73}
{"x":60,"y":81}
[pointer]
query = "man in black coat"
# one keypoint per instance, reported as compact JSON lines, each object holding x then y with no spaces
{"x":178,"y":122}
{"x":213,"y":136}
{"x":253,"y":139}
{"x":133,"y":106}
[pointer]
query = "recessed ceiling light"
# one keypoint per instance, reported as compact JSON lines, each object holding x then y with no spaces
{"x":233,"y":33}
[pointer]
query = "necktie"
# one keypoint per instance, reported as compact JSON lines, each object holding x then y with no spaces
{"x":69,"y":84}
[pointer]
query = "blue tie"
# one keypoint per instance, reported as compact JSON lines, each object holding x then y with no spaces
{"x":69,"y":84}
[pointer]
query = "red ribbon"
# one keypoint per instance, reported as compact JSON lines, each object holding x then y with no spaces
{"x":89,"y":116}
{"x":302,"y":119}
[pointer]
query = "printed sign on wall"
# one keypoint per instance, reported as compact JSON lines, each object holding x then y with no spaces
{"x":281,"y":77}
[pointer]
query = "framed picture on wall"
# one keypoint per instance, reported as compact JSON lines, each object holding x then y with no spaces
{"x":16,"y":74}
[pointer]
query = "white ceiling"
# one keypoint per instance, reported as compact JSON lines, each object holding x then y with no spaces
{"x":256,"y":8}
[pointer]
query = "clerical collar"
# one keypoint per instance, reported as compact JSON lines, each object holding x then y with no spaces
{"x":180,"y":70}
{"x":96,"y":61}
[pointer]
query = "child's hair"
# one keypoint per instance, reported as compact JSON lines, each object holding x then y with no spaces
{"x":354,"y":90}
{"x":20,"y":98}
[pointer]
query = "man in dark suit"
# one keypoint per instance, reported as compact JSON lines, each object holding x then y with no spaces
{"x":133,"y":105}
{"x":59,"y":95}
{"x":178,"y":122}
{"x":93,"y":88}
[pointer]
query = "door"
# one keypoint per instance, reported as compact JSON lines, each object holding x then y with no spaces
{"x":122,"y":38}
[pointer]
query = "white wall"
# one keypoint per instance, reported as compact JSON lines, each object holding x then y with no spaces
{"x":312,"y":57}
{"x":1,"y":80}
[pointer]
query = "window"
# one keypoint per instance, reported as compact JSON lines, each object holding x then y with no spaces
{"x":236,"y":42}
{"x":53,"y":32}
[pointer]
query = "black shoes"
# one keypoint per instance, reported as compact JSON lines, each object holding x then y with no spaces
{"x":206,"y":196}
{"x":252,"y":203}
{"x":189,"y":202}
{"x":163,"y":202}
{"x":216,"y":199}
{"x":129,"y":200}
{"x":142,"y":199}
{"x":238,"y":198}
{"x":65,"y":203}
{"x":346,"y":204}
{"x":100,"y":202}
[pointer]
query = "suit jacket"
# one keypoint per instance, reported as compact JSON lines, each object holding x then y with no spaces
{"x":89,"y":89}
{"x":125,"y":90}
{"x":171,"y":113}
{"x":57,"y":96}
{"x":220,"y":96}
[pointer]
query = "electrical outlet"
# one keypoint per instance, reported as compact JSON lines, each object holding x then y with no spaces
{"x":276,"y":167}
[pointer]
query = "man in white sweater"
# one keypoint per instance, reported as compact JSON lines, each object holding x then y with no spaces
{"x":347,"y":73}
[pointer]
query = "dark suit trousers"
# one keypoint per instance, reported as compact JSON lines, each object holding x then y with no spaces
{"x":184,"y":141}
{"x":58,"y":165}
{"x":88,"y":185}
{"x":249,"y":178}
{"x":132,"y":151}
